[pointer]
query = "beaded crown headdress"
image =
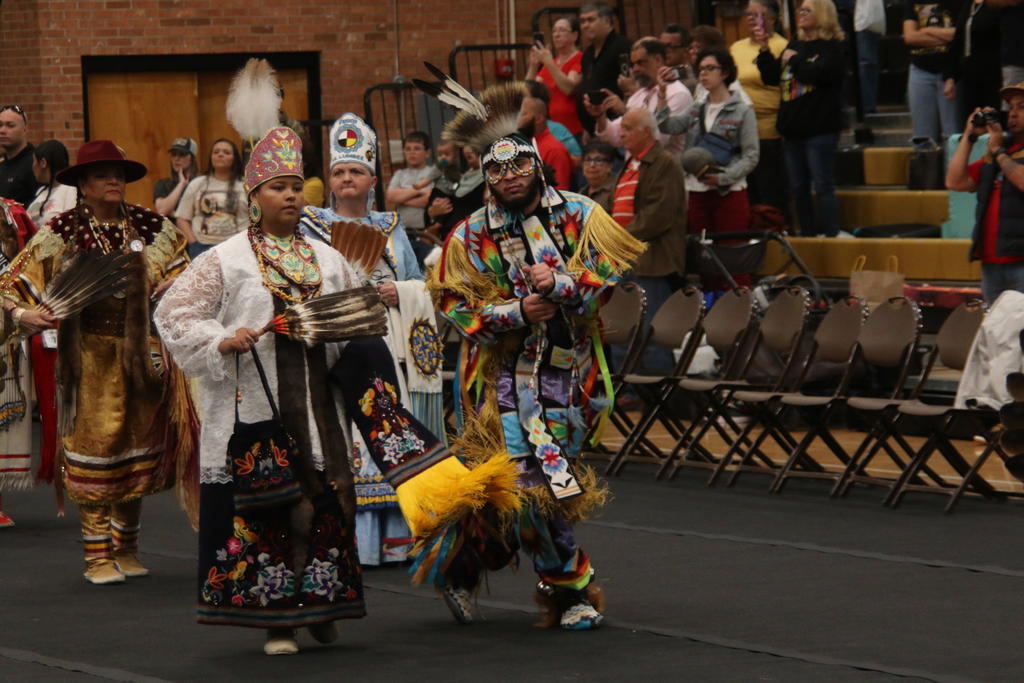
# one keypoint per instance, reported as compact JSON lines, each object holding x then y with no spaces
{"x":277,"y":154}
{"x":353,"y":141}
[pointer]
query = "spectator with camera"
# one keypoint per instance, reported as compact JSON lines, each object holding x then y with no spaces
{"x":600,"y":63}
{"x":677,"y":54}
{"x":648,"y":60}
{"x":998,"y":180}
{"x":769,"y":181}
{"x":810,"y":74}
{"x":559,"y":68}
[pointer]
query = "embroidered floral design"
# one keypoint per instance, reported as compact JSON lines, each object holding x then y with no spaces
{"x":274,"y":583}
{"x":321,"y":578}
{"x":390,"y":434}
{"x":264,"y":467}
{"x":253,"y":569}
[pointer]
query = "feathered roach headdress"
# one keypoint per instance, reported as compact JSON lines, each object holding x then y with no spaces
{"x":490,"y":124}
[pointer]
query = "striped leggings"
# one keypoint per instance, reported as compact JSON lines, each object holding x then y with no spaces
{"x":107,"y":529}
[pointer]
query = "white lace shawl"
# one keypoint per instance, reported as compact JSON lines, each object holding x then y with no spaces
{"x":220,"y":292}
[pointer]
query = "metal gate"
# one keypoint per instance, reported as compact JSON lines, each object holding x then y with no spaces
{"x":394,"y":110}
{"x":478,"y":66}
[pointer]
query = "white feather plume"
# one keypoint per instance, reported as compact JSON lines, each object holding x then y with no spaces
{"x":254,"y":100}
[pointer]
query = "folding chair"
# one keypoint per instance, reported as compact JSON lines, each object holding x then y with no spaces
{"x":832,"y":343}
{"x":680,"y":316}
{"x":730,"y":329}
{"x":887,"y":340}
{"x":621,"y":325}
{"x":952,"y":345}
{"x":941,"y":420}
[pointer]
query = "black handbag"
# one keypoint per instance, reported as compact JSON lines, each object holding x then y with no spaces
{"x":926,"y":170}
{"x":260,"y":455}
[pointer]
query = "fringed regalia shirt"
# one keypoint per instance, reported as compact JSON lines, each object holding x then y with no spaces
{"x":113,"y":374}
{"x":479,"y":285}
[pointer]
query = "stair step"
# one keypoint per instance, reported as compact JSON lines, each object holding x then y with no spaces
{"x":882,"y":138}
{"x":888,"y":121}
{"x":875,"y":206}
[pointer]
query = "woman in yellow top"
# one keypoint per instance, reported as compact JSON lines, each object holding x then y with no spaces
{"x":768,"y":182}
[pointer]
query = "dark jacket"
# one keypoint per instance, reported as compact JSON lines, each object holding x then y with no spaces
{"x":811,"y":85}
{"x":601,"y":70}
{"x":660,"y":214}
{"x":1010,"y":239}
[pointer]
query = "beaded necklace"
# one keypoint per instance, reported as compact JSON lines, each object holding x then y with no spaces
{"x":129,"y":237}
{"x":286,"y":262}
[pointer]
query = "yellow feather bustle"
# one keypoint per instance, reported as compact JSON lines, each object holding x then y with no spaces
{"x":443,"y":494}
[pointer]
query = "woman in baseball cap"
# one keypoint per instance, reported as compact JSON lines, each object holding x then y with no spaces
{"x":167,"y":191}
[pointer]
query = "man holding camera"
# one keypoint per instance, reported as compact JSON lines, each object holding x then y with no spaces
{"x":647,"y":59}
{"x":998,"y":178}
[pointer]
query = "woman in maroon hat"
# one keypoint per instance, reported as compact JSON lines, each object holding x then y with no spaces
{"x":112,"y":373}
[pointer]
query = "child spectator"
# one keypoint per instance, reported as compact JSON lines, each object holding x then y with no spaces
{"x":409,"y":189}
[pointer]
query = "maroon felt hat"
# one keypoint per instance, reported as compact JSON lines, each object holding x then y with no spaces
{"x":96,"y":152}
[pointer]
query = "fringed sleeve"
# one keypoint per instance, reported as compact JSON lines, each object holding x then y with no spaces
{"x":605,"y":251}
{"x":27,"y":276}
{"x":471,"y":300}
{"x":165,"y":256}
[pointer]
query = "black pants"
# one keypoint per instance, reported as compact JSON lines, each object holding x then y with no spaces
{"x":768,"y":183}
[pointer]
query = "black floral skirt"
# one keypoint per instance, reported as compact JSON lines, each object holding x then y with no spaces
{"x":249,"y":575}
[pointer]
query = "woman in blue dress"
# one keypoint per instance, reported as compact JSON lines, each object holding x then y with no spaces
{"x":380,"y":528}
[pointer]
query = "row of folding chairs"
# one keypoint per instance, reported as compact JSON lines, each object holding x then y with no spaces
{"x":794,"y":407}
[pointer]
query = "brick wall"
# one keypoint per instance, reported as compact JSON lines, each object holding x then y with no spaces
{"x":46,"y":39}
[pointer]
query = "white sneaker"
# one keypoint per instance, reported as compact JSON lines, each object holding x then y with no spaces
{"x":581,"y":617}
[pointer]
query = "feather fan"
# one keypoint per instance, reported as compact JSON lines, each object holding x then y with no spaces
{"x":360,"y":244}
{"x":334,"y":317}
{"x":254,"y":100}
{"x":86,"y":279}
{"x":479,"y":122}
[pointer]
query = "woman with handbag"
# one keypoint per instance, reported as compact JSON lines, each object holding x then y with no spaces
{"x":276,"y":531}
{"x":726,"y":127}
{"x":810,"y":72}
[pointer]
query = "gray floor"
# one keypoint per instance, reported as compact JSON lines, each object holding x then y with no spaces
{"x":703,"y":585}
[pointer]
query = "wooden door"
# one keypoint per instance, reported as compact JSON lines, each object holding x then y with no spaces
{"x":143,"y":112}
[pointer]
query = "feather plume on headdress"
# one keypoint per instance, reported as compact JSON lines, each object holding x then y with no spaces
{"x":479,"y":122}
{"x":254,"y":100}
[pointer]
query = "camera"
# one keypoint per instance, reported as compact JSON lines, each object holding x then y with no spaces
{"x":983,"y":118}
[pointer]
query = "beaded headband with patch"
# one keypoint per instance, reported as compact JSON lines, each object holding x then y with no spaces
{"x":501,"y":156}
